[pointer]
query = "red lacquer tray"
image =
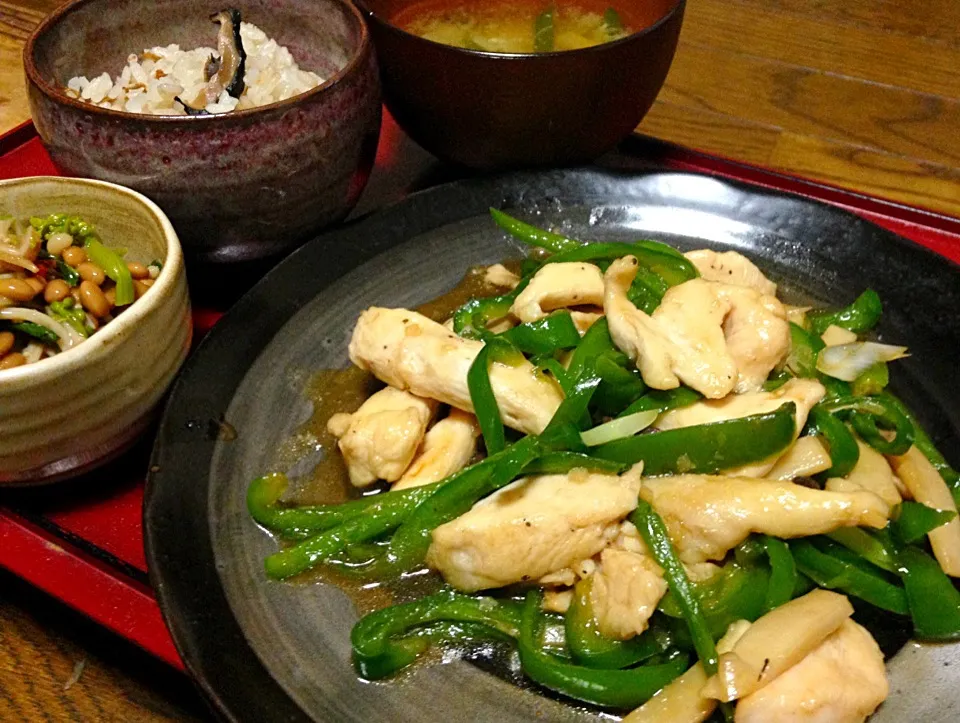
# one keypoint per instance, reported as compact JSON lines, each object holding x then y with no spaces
{"x":82,"y":541}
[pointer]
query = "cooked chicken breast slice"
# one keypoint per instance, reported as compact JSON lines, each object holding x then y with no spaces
{"x":731,"y":267}
{"x":682,"y":341}
{"x":842,"y":681}
{"x":409,"y":351}
{"x":871,"y":473}
{"x":708,"y":516}
{"x":805,"y":393}
{"x":499,"y":275}
{"x":447,"y":448}
{"x":558,"y":286}
{"x":532,"y":527}
{"x":624,"y":592}
{"x":757,"y":334}
{"x":382,"y":436}
{"x":805,"y":458}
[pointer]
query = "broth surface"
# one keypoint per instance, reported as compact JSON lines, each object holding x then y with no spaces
{"x":513,"y":26}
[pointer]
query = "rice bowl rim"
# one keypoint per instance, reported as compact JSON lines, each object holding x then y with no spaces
{"x":115,"y":331}
{"x":59,"y":96}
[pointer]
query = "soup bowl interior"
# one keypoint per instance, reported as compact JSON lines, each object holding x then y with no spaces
{"x":498,"y":110}
{"x":240,"y":185}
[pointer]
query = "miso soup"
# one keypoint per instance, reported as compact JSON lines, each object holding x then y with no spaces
{"x":521,"y":26}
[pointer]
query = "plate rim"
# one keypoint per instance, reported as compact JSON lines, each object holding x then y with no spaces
{"x":176,"y":429}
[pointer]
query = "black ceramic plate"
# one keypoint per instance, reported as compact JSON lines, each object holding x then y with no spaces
{"x":266,"y":651}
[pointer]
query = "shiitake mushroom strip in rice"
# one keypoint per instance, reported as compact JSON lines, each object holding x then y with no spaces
{"x":682,"y":487}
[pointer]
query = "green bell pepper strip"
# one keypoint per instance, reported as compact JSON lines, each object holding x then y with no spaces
{"x":381,"y":517}
{"x":532,"y":235}
{"x":804,"y":348}
{"x":619,"y":386}
{"x":68,"y":273}
{"x":552,"y":367}
{"x":114,"y":267}
{"x":833,"y":573}
{"x":610,"y":688}
{"x":593,"y":649}
{"x":654,"y":533}
{"x":69,"y":313}
{"x":861,"y":316}
{"x":844,"y":452}
{"x":783,"y":573}
{"x":737,"y":592}
{"x":706,"y":448}
{"x":563,"y":431}
{"x":867,"y":545}
{"x":776,"y":380}
{"x":381,"y":641}
{"x":563,"y":462}
{"x":933,"y":599}
{"x":484,"y":402}
{"x":595,"y":342}
{"x":926,"y":446}
{"x":471,"y":319}
{"x":872,"y":380}
{"x":36,"y":331}
{"x":454,"y":497}
{"x":911,"y":521}
{"x":646,"y":290}
{"x":544,"y":336}
{"x":543,"y":30}
{"x":297,"y":523}
{"x":661,"y":401}
{"x":867,"y":414}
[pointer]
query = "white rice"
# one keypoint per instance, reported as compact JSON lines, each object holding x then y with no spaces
{"x":152,"y":80}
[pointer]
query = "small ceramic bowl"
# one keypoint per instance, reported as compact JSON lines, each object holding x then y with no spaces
{"x":501,"y":110}
{"x":237,"y":186}
{"x":68,"y":413}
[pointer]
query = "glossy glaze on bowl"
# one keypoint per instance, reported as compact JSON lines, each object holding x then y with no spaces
{"x":239,"y":186}
{"x":71,"y":412}
{"x":499,"y":110}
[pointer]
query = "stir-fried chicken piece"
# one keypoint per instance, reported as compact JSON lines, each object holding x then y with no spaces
{"x":681,"y":341}
{"x":447,"y":448}
{"x":731,"y":267}
{"x":805,"y":458}
{"x":757,"y":334}
{"x":624,"y":592}
{"x":532,"y":527}
{"x":715,"y":338}
{"x":409,"y":351}
{"x":381,"y":437}
{"x":708,"y":516}
{"x":871,"y":473}
{"x":558,"y":286}
{"x":841,"y":681}
{"x":803,"y":392}
{"x":499,"y":275}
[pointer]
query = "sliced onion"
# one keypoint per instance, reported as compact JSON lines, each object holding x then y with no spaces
{"x":67,"y":337}
{"x":618,"y":428}
{"x":17,"y":260}
{"x":848,"y":361}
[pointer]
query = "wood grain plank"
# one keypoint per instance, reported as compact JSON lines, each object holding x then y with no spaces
{"x":937,"y":20}
{"x":858,"y":51}
{"x":41,"y":645}
{"x":711,"y":132}
{"x":13,"y":96}
{"x":892,"y":120}
{"x":918,"y":183}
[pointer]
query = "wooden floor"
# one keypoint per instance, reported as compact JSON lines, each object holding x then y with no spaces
{"x":860,"y":93}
